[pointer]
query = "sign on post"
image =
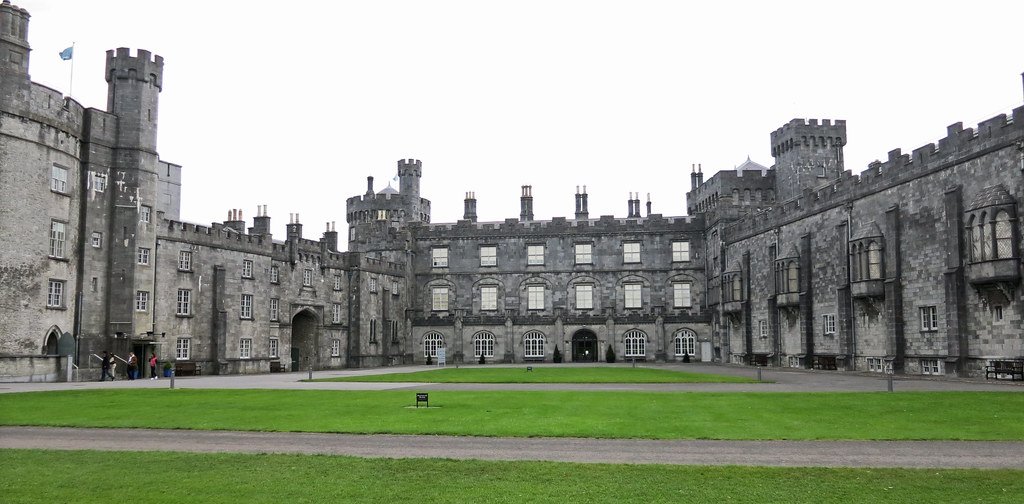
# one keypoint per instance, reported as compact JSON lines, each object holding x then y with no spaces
{"x":422,"y":397}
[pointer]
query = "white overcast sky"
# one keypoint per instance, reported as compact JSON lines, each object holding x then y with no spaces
{"x":293,"y":103}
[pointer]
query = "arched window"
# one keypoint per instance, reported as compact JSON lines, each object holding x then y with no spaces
{"x":533,"y":345}
{"x":431,"y":342}
{"x":976,"y":229}
{"x":780,"y":278}
{"x":737,"y":288}
{"x":986,"y":238}
{"x":792,"y":277}
{"x":636,"y":343}
{"x":685,"y":343}
{"x":1004,"y":235}
{"x":874,"y":261}
{"x":483,"y":344}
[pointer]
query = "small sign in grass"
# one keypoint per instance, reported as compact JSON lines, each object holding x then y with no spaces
{"x":546,"y":374}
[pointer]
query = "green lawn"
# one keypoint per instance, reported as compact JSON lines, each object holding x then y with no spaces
{"x":651,"y":415}
{"x":546,"y":374}
{"x":35,"y":476}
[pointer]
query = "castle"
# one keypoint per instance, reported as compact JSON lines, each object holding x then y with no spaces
{"x":912,"y":266}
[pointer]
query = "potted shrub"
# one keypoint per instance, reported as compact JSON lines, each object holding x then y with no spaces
{"x":429,"y":360}
{"x":167,"y":369}
{"x":482,"y":359}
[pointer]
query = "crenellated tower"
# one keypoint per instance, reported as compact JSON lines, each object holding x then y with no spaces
{"x":409,"y":173}
{"x":14,"y":54}
{"x":133,"y":90}
{"x":807,"y":155}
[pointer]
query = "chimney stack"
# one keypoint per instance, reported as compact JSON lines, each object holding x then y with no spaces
{"x":469,"y":212}
{"x":526,"y":204}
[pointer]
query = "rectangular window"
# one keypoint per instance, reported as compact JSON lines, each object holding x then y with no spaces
{"x":828,"y":323}
{"x":275,"y":347}
{"x":394,"y":287}
{"x":246,"y":268}
{"x":489,"y":298}
{"x":58,"y":237}
{"x":535,"y":297}
{"x":246,"y":308}
{"x":489,"y":255}
{"x":97,"y":239}
{"x":929,"y":318}
{"x":876,"y":365}
{"x":59,"y":179}
{"x":337,"y":280}
{"x":307,"y":277}
{"x":336,"y":313}
{"x":997,"y":313}
{"x":439,"y":257}
{"x":631,"y":252}
{"x":762,"y":326}
{"x":55,"y":294}
{"x":184,"y":302}
{"x":680,"y":251}
{"x":275,"y":307}
{"x":583,"y":253}
{"x":143,"y":257}
{"x":931,"y":367}
{"x":183,"y":349}
{"x":373,"y":284}
{"x":275,"y":274}
{"x":335,"y":348}
{"x":794,"y":361}
{"x":393,"y":324}
{"x":145,"y":213}
{"x":633,"y":297}
{"x":184,"y":260}
{"x":682,"y":295}
{"x":373,"y":330}
{"x":535,"y":255}
{"x":439,"y":298}
{"x":141,"y":301}
{"x":99,"y":182}
{"x":245,"y":348}
{"x":584,"y":297}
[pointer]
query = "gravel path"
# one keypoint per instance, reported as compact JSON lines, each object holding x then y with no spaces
{"x":914,"y":454}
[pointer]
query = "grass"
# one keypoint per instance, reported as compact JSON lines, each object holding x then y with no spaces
{"x":546,"y":374}
{"x":650,"y":415}
{"x":36,"y":476}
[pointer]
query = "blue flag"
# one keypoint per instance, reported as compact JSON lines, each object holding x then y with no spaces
{"x":67,"y":53}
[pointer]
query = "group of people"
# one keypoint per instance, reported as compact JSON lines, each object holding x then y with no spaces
{"x":109,"y":366}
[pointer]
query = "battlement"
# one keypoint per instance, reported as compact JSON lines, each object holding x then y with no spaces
{"x":14,"y":24}
{"x":51,"y":108}
{"x":410,"y":167}
{"x":958,"y":146}
{"x":559,"y":226}
{"x":144,"y":67}
{"x":808,"y":133}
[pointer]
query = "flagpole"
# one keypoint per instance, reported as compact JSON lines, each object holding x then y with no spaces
{"x":71,"y":79}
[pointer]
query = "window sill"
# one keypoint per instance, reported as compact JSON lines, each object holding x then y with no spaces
{"x":184,"y":270}
{"x":59,"y":193}
{"x":180,"y":315}
{"x":59,"y":259}
{"x":59,"y":308}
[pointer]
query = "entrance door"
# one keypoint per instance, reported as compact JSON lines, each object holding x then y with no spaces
{"x":705,"y":351}
{"x":305,"y":328}
{"x":584,"y":346}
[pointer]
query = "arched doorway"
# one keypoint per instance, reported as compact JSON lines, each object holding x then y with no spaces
{"x":305,"y":329}
{"x":50,"y":347}
{"x":584,"y":346}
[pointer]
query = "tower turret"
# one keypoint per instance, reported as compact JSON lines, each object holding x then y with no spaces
{"x":14,"y":50}
{"x":807,"y":155}
{"x":133,"y":89}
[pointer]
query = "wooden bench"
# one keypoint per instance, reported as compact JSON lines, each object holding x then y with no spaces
{"x":1014,"y":369}
{"x":276,"y":367}
{"x":187,"y":369}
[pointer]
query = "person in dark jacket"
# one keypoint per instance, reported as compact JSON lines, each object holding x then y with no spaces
{"x":105,"y":367}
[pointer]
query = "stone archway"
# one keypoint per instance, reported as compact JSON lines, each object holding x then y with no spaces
{"x":52,"y":339}
{"x":584,"y":346}
{"x":305,"y":334}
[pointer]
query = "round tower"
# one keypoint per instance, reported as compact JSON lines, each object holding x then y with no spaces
{"x":133,"y":91}
{"x":409,"y":173}
{"x":14,"y":51}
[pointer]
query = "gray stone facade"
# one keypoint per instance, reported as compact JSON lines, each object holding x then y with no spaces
{"x":912,"y":265}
